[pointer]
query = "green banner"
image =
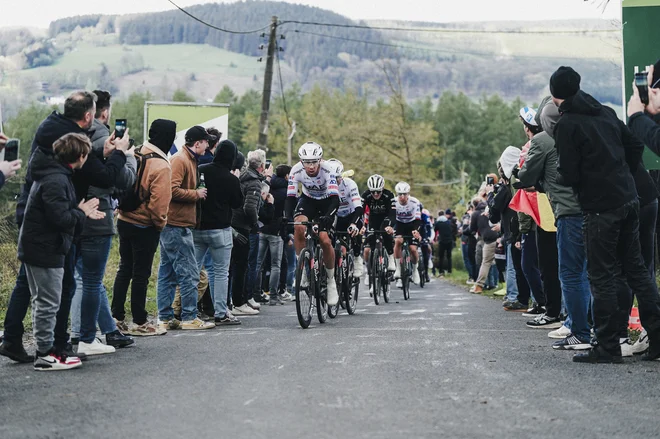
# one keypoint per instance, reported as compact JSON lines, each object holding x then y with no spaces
{"x":641,"y":34}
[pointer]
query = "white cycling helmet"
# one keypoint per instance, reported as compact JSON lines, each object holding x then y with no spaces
{"x":376,"y":183}
{"x":339,"y":167}
{"x":402,"y":188}
{"x":310,"y":151}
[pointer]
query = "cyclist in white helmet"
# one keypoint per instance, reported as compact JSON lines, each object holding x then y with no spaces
{"x":380,"y":202}
{"x":408,"y":223}
{"x":319,"y":201}
{"x":350,"y":213}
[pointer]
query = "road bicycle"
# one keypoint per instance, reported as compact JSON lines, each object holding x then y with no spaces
{"x":347,"y":285}
{"x":379,"y":276}
{"x":311,"y":278}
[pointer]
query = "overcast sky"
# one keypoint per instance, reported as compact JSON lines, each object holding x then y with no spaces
{"x":39,"y":13}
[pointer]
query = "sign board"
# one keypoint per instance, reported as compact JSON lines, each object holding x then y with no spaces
{"x":187,"y":115}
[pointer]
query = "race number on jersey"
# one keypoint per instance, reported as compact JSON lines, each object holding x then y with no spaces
{"x":409,"y":212}
{"x":349,"y":197}
{"x":323,"y":185}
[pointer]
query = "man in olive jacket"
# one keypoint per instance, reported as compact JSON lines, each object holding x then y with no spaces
{"x":541,"y":167}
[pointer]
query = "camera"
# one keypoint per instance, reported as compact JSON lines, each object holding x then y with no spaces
{"x":642,"y":84}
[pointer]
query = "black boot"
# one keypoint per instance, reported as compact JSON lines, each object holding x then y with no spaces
{"x":598,"y":355}
{"x":118,"y":340}
{"x":15,"y":352}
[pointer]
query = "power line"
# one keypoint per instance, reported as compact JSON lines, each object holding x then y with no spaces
{"x":215,"y":27}
{"x":455,"y":52}
{"x":455,"y":31}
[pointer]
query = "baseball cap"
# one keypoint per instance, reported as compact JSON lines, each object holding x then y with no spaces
{"x":528,"y":115}
{"x":196,"y":133}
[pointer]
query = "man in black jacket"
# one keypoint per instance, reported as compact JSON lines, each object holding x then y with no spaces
{"x":78,"y":116}
{"x":486,"y":246}
{"x":597,"y":157}
{"x":214,"y":233}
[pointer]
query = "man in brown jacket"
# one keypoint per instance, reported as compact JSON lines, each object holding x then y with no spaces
{"x":177,"y":249}
{"x":139,"y":231}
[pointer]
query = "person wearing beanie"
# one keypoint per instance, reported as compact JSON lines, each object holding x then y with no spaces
{"x":598,"y":156}
{"x":568,"y":247}
{"x":214,"y":235}
{"x":642,"y":119}
{"x":139,"y":230}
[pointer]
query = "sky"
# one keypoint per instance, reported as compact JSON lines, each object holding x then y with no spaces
{"x":39,"y":13}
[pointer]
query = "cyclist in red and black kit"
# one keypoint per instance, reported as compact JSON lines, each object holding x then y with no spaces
{"x":382,"y":215}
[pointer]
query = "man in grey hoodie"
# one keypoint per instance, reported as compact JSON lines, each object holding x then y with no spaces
{"x":90,"y":304}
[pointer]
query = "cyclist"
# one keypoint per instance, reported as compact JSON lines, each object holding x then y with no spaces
{"x":408,"y":223}
{"x":380,"y":203}
{"x":319,"y":201}
{"x":349,"y":214}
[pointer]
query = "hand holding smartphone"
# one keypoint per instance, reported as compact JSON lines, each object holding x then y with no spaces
{"x":120,"y":128}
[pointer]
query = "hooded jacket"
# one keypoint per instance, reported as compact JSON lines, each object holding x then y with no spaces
{"x":598,"y":154}
{"x":183,"y":207}
{"x":246,"y":217}
{"x":125,"y":181}
{"x":224,"y":189}
{"x":445,"y":233}
{"x":278,"y":187}
{"x":541,"y":166}
{"x":52,"y":217}
{"x":481,"y":225}
{"x":500,"y":212}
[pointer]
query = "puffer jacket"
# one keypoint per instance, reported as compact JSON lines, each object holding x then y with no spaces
{"x":246,"y":218}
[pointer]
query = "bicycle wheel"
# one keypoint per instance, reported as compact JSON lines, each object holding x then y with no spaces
{"x":333,"y":310}
{"x":322,"y":290}
{"x":304,"y":294}
{"x":385,"y":283}
{"x":375,"y":275}
{"x":405,"y":274}
{"x":422,"y":276}
{"x":351,"y":287}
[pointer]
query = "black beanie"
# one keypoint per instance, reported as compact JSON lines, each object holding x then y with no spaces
{"x":162,"y":134}
{"x":226,"y":154}
{"x":564,"y":83}
{"x":240,"y":161}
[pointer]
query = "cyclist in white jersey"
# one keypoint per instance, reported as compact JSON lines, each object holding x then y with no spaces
{"x":408,"y":223}
{"x":319,"y":201}
{"x":350,"y":214}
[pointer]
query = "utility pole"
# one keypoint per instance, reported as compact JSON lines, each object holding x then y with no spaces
{"x":262,"y":143}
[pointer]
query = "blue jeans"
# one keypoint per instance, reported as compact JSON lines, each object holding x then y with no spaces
{"x":493,"y":276}
{"x":216,"y":245}
{"x":253,"y":255}
{"x":511,"y":285}
{"x":573,"y":274}
{"x":273,"y":243}
{"x":177,"y":266}
{"x":465,"y":249}
{"x":90,"y":303}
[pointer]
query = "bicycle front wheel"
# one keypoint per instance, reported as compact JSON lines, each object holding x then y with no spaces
{"x":376,"y":275}
{"x":351,"y":288}
{"x":304,"y":293}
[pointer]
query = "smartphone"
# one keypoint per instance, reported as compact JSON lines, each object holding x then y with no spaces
{"x":490,"y":180}
{"x":268,"y":163}
{"x":11,"y":149}
{"x":120,"y":128}
{"x":642,"y":84}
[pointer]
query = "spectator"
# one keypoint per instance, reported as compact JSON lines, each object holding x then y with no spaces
{"x":288,"y":266}
{"x":90,"y":303}
{"x":139,"y":229}
{"x":214,"y":234}
{"x":467,"y":240}
{"x":485,"y":253}
{"x":78,"y":116}
{"x":177,"y":248}
{"x":271,"y":237}
{"x":52,"y":219}
{"x":7,"y":169}
{"x":445,"y":240}
{"x":597,"y":156}
{"x":245,"y":222}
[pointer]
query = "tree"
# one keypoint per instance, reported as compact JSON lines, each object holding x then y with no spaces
{"x":182,"y":96}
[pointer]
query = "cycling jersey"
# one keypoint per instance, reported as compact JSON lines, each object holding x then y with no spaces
{"x":411,"y":211}
{"x":349,"y":198}
{"x":380,"y":209}
{"x":322,"y":186}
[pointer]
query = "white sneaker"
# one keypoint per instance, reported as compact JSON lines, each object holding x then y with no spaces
{"x":197,"y":324}
{"x":642,"y":343}
{"x":286,"y":296}
{"x":397,"y":271}
{"x":560,"y":333}
{"x":415,"y":278}
{"x":245,"y":310}
{"x":390,"y":263}
{"x":94,"y":348}
{"x":358,"y":268}
{"x":371,"y":291}
{"x":366,"y":281}
{"x":53,"y":361}
{"x":333,"y":296}
{"x":399,"y":284}
{"x":626,"y":347}
{"x":254,"y":304}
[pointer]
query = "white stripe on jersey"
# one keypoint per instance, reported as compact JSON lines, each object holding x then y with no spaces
{"x":349,"y":197}
{"x":410,"y":212}
{"x":322,"y":186}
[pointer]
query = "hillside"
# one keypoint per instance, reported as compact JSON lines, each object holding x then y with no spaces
{"x":165,"y":51}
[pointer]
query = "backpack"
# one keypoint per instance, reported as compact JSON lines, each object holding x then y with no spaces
{"x":131,"y":199}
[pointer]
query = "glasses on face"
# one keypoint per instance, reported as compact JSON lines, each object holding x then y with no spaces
{"x":376,"y":192}
{"x":310,"y":162}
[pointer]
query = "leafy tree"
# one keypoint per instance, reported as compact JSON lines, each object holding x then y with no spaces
{"x":182,"y":96}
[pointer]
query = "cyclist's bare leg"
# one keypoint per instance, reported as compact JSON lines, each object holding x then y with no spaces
{"x":414,"y":256}
{"x":328,"y":250}
{"x":299,"y":234}
{"x":398,"y":242}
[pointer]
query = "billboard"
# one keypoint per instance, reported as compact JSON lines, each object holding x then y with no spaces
{"x":187,"y":115}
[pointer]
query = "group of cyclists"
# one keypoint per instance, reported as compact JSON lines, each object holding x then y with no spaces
{"x":330,"y":201}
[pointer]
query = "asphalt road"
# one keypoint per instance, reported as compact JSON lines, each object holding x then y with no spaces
{"x":443,"y":364}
